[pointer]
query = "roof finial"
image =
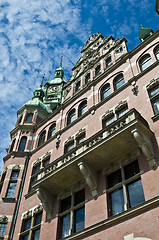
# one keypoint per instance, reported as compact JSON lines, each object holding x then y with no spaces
{"x":42,"y":80}
{"x":61,"y":62}
{"x":142,"y":26}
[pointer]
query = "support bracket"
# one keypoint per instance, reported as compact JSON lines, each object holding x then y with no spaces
{"x":90,"y":176}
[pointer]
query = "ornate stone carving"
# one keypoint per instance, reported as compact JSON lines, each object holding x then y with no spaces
{"x":71,"y":138}
{"x":16,"y":167}
{"x":46,"y":200}
{"x":107,"y":114}
{"x":91,"y":178}
{"x":27,"y":214}
{"x":3,"y":219}
{"x":91,"y":39}
{"x":38,"y":208}
{"x":153,"y":83}
{"x":120,"y":105}
{"x":80,"y":132}
{"x":37,"y":162}
{"x":145,"y":145}
{"x":66,"y":92}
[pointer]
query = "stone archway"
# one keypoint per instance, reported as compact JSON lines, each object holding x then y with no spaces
{"x":131,"y":237}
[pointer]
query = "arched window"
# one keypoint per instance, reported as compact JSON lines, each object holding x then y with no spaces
{"x":119,"y":81}
{"x":145,"y":62}
{"x":71,"y":116}
{"x":29,"y":117}
{"x":41,"y":138}
{"x":108,"y":62}
{"x":156,"y":52}
{"x":105,"y":91}
{"x":52,"y":130}
{"x":22,"y":144}
{"x":82,"y":108}
{"x":12,"y":146}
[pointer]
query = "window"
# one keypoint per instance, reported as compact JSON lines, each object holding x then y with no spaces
{"x":29,"y":117}
{"x":107,"y":121}
{"x":69,"y":147}
{"x":78,"y":85}
{"x":2,"y":180}
{"x":52,"y":129}
{"x":156,"y":52}
{"x":12,"y":146}
{"x":82,"y":108}
{"x":2,"y":230}
{"x":108,"y":62}
{"x":72,"y":215}
{"x":124,"y":189}
{"x":122,"y":112}
{"x":22,"y":144}
{"x":19,"y":119}
{"x":105,"y":91}
{"x":41,"y":138}
{"x":12,"y":184}
{"x":71,"y":117}
{"x":154,"y":98}
{"x":118,"y":81}
{"x":145,"y":62}
{"x":97,"y":70}
{"x":87,"y":78}
{"x":80,"y":139}
{"x":31,"y":227}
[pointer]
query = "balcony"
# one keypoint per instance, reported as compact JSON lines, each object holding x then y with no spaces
{"x":123,"y":137}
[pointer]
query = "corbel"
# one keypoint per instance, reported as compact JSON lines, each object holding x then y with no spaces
{"x":90,"y":176}
{"x":145,"y":144}
{"x":46,"y":200}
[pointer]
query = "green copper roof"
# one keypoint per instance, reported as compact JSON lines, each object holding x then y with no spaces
{"x":144,"y":33}
{"x":36,"y":102}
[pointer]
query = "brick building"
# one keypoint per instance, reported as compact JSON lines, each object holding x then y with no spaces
{"x":83,"y":158}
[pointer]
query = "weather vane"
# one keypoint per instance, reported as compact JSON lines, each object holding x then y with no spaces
{"x":61,"y":62}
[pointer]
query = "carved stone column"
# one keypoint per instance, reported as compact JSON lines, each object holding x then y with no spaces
{"x":91,"y":178}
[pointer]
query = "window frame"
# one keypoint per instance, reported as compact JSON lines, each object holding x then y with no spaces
{"x":29,"y":117}
{"x":119,"y":79}
{"x":42,"y":138}
{"x":156,"y":52}
{"x":2,"y":230}
{"x":98,"y":69}
{"x":105,"y":89}
{"x":108,"y":62}
{"x":77,"y":86}
{"x":33,"y":227}
{"x":122,"y":184}
{"x":87,"y":78}
{"x":82,"y":107}
{"x":145,"y":61}
{"x":154,"y":99}
{"x":71,"y":211}
{"x":12,"y":180}
{"x":22,"y":144}
{"x":51,"y":131}
{"x":71,"y":117}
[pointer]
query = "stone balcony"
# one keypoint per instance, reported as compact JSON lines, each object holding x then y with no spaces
{"x":121,"y":138}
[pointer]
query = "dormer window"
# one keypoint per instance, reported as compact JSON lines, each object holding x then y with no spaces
{"x":97,"y":70}
{"x":78,"y":85}
{"x":87,"y":78}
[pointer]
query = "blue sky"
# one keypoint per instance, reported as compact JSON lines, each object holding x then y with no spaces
{"x":35,"y":33}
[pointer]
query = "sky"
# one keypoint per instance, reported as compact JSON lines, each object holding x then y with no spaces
{"x":35,"y":33}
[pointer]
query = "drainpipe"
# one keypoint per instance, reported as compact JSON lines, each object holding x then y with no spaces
{"x":20,"y":192}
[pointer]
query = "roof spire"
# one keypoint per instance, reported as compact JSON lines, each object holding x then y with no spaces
{"x":42,"y":80}
{"x":61,"y":62}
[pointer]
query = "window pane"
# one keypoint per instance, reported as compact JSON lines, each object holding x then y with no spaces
{"x":87,"y":78}
{"x":71,"y":117}
{"x":108,"y":121}
{"x":42,"y":138}
{"x":25,"y":237}
{"x":156,"y":106}
{"x":22,"y":144}
{"x":145,"y":62}
{"x":38,"y":218}
{"x":78,"y":84}
{"x":136,"y":194}
{"x":80,"y":196}
{"x":65,"y":225}
{"x":108,"y":62}
{"x":80,"y":139}
{"x":14,"y":175}
{"x":2,"y":229}
{"x":29,"y":117}
{"x":26,"y":224}
{"x":82,"y":108}
{"x":117,"y":201}
{"x":66,"y":204}
{"x":154,"y":92}
{"x":157,"y":53}
{"x":97,"y":70}
{"x":51,"y":131}
{"x":119,"y":82}
{"x":69,"y":147}
{"x":122,"y":112}
{"x":114,"y":178}
{"x":105,"y":92}
{"x":131,"y":169}
{"x":11,"y":190}
{"x":79,"y":219}
{"x":46,"y":162}
{"x":36,"y":169}
{"x":36,"y":235}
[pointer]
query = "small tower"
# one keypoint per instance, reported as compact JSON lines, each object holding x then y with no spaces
{"x":53,"y":89}
{"x":144,"y":33}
